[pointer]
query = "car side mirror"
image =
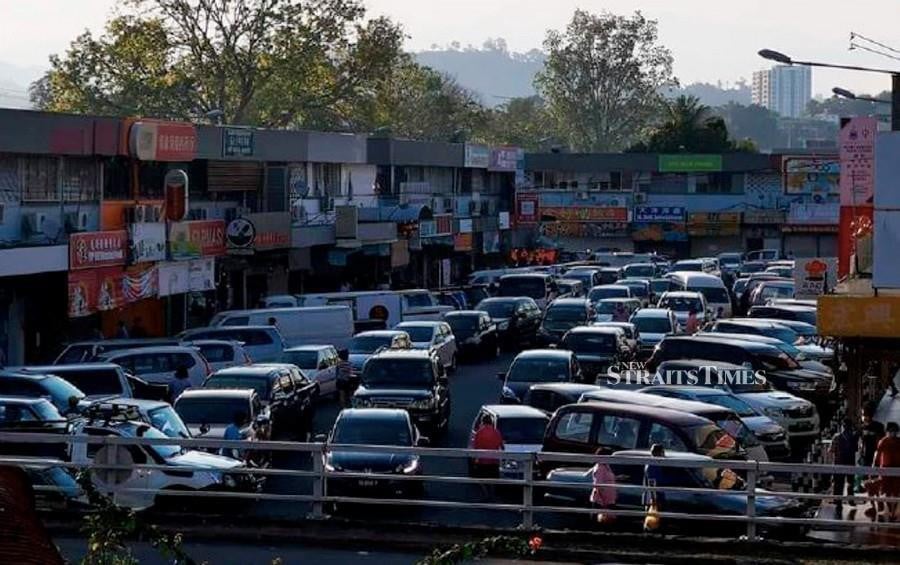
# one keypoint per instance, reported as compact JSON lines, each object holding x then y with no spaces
{"x":423,"y":441}
{"x":204,"y":429}
{"x":501,"y":376}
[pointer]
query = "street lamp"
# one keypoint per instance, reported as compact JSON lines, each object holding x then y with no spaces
{"x":778,"y":57}
{"x":844,"y":93}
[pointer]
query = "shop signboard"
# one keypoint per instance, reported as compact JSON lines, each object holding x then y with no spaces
{"x":504,"y":159}
{"x":659,"y":231}
{"x":841,"y":315}
{"x":585,"y":214}
{"x":258,"y":232}
{"x":147,"y":242}
{"x":477,"y":156}
{"x":809,"y":175}
{"x":173,"y":278}
{"x":528,"y":208}
{"x":764,"y":217}
{"x":202,"y":275}
{"x":193,"y":240}
{"x":237,"y":142}
{"x":163,"y":141}
{"x":814,"y":276}
{"x":659,"y":214}
{"x":712,"y":224}
{"x":522,"y":257}
{"x":689,"y":163}
{"x":584,"y":230}
{"x":857,"y":166}
{"x":97,"y":249}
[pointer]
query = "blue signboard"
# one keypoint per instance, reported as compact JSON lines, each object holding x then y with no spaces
{"x":659,"y":214}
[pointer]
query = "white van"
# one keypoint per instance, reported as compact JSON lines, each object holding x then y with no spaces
{"x":711,"y":286}
{"x":331,"y":325}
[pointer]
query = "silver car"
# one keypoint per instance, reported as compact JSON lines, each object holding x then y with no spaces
{"x":435,"y":336}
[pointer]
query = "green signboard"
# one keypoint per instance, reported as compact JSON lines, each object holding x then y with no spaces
{"x":690,"y":163}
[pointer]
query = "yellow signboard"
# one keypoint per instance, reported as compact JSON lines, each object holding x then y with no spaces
{"x":859,"y":316}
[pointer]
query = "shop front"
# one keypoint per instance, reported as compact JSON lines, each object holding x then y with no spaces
{"x":660,"y":229}
{"x":712,"y":233}
{"x":762,"y":229}
{"x":811,"y":230}
{"x":578,"y":229}
{"x":257,"y":260}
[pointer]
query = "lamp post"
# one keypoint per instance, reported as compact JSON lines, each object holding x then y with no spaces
{"x":844,"y":93}
{"x":895,"y":78}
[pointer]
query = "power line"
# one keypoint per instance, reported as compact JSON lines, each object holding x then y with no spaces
{"x":854,"y":35}
{"x":871,"y":50}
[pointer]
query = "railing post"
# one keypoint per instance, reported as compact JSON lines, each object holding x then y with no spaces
{"x":752,"y":477}
{"x":318,"y":485}
{"x":528,"y":492}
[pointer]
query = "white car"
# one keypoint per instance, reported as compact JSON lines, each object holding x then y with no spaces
{"x":653,"y":325}
{"x":157,"y":365}
{"x":221,"y":353}
{"x":681,"y":303}
{"x":435,"y":336}
{"x":318,"y":362}
{"x":522,"y":429}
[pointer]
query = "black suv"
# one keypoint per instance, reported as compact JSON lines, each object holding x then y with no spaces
{"x":288,"y":394}
{"x":411,"y":380}
{"x":475,"y":332}
{"x":517,"y":319}
{"x":57,"y":390}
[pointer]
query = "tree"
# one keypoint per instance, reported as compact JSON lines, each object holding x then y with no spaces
{"x":689,"y":126}
{"x":262,"y":62}
{"x":523,"y":122}
{"x":844,"y":107}
{"x":602,"y":79}
{"x":752,"y":122}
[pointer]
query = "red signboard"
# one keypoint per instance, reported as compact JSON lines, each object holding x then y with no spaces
{"x":93,"y":290}
{"x":528,"y":208}
{"x":522,"y":257}
{"x":586,"y":214}
{"x":97,"y":249}
{"x":855,"y":221}
{"x":163,"y":141}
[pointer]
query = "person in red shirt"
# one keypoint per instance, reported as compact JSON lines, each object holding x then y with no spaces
{"x":887,"y":454}
{"x":487,"y":437}
{"x":693,"y":324}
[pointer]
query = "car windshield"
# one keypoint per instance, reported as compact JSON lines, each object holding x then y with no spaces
{"x":604,"y":307}
{"x":733,"y":403}
{"x":464,"y":324}
{"x":164,"y":451}
{"x":362,"y":431}
{"x":637,"y":289}
{"x":166,"y":420}
{"x":712,"y":440}
{"x":46,"y":411}
{"x":714,"y":294}
{"x":211,"y":410}
{"x":539,"y":370}
{"x":61,"y":391}
{"x":729,"y":260}
{"x":522,"y":431}
{"x":601,"y":293}
{"x":652,"y":325}
{"x":303,"y":359}
{"x":753,"y":267}
{"x":259,"y":383}
{"x":532,"y":287}
{"x":498,"y":309}
{"x":94,"y":382}
{"x":591,"y":343}
{"x":75,"y":354}
{"x":640,"y":271}
{"x":681,"y":303}
{"x":566,"y":314}
{"x":419,"y":333}
{"x":786,"y":335}
{"x":365,"y":344}
{"x":416,"y":373}
{"x":739,"y":286}
{"x":776,"y":291}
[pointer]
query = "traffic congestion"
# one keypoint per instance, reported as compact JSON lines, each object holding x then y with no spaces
{"x":619,"y":354}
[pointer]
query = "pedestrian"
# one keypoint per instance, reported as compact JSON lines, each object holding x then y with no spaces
{"x":887,"y":455}
{"x":655,"y":477}
{"x":693,"y":324}
{"x":121,"y":330}
{"x":487,"y":437}
{"x":344,"y":378}
{"x":603,"y":495}
{"x":180,"y":384}
{"x":137,"y":328}
{"x":843,"y":452}
{"x":234,"y":432}
{"x":872,"y":432}
{"x":620,"y":315}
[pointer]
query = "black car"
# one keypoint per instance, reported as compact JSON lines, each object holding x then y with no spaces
{"x":475,"y":332}
{"x":785,"y":312}
{"x":57,"y":390}
{"x":103,"y":380}
{"x":288,"y":394}
{"x":517,"y":319}
{"x":538,"y":366}
{"x":562,"y":315}
{"x":597,"y":349}
{"x":35,"y":416}
{"x":413,"y":380}
{"x":372,"y":426}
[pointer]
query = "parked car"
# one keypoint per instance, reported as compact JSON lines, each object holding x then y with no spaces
{"x":604,"y":291}
{"x":365,"y":344}
{"x":538,"y":366}
{"x":221,"y":353}
{"x":29,"y":385}
{"x":681,"y":303}
{"x":155,"y":413}
{"x":606,"y":309}
{"x":157,"y":365}
{"x":89,"y":351}
{"x":548,"y":397}
{"x":413,"y":380}
{"x":373,"y":426}
{"x":101,"y":380}
{"x":281,"y":388}
{"x":596,"y":348}
{"x":208,"y":412}
{"x":262,"y":343}
{"x":563,"y":315}
{"x":332,"y":325}
{"x":522,"y":429}
{"x":517,"y":319}
{"x":475,"y":332}
{"x":33,"y":416}
{"x":794,"y":414}
{"x":653,"y":325}
{"x":433,"y":336}
{"x":318,"y":362}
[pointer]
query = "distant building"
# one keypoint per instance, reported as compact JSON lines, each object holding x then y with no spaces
{"x":784,"y":89}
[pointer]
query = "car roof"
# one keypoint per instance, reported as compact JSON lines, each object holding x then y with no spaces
{"x":545,"y":354}
{"x":742,"y":337}
{"x":228,"y":329}
{"x":693,"y":363}
{"x":464,"y":313}
{"x":156,"y":349}
{"x":403,"y":354}
{"x":615,"y":286}
{"x":693,"y":389}
{"x":418,"y":324}
{"x":231,"y":342}
{"x":525,"y":275}
{"x":217,"y":393}
{"x":247,"y":371}
{"x":309,"y":347}
{"x":622,"y":299}
{"x":755,"y":322}
{"x":494,"y":299}
{"x":669,"y":454}
{"x":54,"y":369}
{"x":682,"y":294}
{"x":514,"y":411}
{"x":580,"y":302}
{"x":577,"y":388}
{"x":21,"y":375}
{"x":748,"y":345}
{"x":613,"y":325}
{"x":787,"y":307}
{"x":603,"y":330}
{"x":21,"y":400}
{"x":784,"y":283}
{"x":380,"y":333}
{"x":652,"y":313}
{"x":381,"y":414}
{"x":677,"y":417}
{"x":136,"y":402}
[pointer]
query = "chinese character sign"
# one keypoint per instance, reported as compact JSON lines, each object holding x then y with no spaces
{"x":857,"y":151}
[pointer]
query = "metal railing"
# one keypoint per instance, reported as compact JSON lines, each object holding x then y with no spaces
{"x":531,"y":482}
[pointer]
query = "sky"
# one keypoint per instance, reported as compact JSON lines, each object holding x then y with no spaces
{"x":711,"y":40}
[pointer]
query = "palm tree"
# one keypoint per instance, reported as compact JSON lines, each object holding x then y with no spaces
{"x":689,"y":125}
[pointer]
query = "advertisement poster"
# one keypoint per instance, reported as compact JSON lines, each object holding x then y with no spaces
{"x":658,"y":214}
{"x":586,"y":214}
{"x":527,"y":208}
{"x":148,"y":242}
{"x":110,"y":288}
{"x":193,"y":240}
{"x":82,"y":293}
{"x":141,"y":281}
{"x":202,"y":275}
{"x":173,"y":278}
{"x":816,"y":176}
{"x":97,"y":249}
{"x":814,"y":276}
{"x":857,"y":152}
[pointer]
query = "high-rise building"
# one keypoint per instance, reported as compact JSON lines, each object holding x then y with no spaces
{"x":784,"y":89}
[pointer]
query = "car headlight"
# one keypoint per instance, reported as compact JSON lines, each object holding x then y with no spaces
{"x":773,"y":412}
{"x":422,"y":404}
{"x":408,"y":467}
{"x":801,"y":385}
{"x":362,"y":403}
{"x":229,"y":481}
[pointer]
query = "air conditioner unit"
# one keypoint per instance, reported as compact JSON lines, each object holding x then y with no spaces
{"x":76,"y":222}
{"x":32,"y":224}
{"x":640,"y":198}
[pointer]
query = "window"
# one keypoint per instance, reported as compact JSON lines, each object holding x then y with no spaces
{"x":40,"y":179}
{"x":79,"y":179}
{"x":286,"y":383}
{"x":619,"y":431}
{"x":185,"y":360}
{"x":217,"y":353}
{"x":667,"y":437}
{"x":10,"y":188}
{"x":327,"y":179}
{"x":237,"y":321}
{"x":145,"y":364}
{"x":575,"y":427}
{"x":117,"y":179}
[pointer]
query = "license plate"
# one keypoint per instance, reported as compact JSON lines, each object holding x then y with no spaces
{"x":367,"y":482}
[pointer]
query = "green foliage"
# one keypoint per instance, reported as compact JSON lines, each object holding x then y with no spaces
{"x":844,"y":107}
{"x":689,"y":126}
{"x":752,"y":122}
{"x":496,"y":546}
{"x":524,"y":122}
{"x":602,"y":79}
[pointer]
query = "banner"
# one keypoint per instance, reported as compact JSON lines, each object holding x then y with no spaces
{"x":477,"y":156}
{"x":202,"y":275}
{"x":586,"y":213}
{"x":527,"y":208}
{"x":814,"y":276}
{"x":816,"y":176}
{"x":193,"y":240}
{"x":82,"y":293}
{"x":173,"y":278}
{"x":147,"y":243}
{"x":658,"y":214}
{"x":857,"y":152}
{"x":141,"y":281}
{"x":97,"y":249}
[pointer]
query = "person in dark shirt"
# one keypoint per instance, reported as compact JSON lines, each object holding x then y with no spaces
{"x":872,"y":432}
{"x":843,"y":451}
